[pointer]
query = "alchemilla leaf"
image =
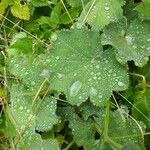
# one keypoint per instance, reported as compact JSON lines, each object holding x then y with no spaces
{"x":99,"y":13}
{"x":131,"y":43}
{"x":76,"y":66}
{"x":80,"y":68}
{"x":30,"y":114}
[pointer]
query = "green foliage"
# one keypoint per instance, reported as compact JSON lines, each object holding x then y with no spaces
{"x":131,"y":41}
{"x":99,"y":13}
{"x":143,"y":8}
{"x":74,"y":74}
{"x":17,"y":9}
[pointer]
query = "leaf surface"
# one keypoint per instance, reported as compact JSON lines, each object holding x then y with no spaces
{"x":99,"y":13}
{"x":131,"y":43}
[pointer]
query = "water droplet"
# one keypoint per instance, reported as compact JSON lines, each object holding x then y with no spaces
{"x":79,"y":25}
{"x":92,"y":73}
{"x":99,"y":78}
{"x":28,"y":110}
{"x":75,"y":88}
{"x":21,"y":107}
{"x":134,"y":46}
{"x":45,"y":73}
{"x":148,"y":40}
{"x":129,"y":40}
{"x":100,"y":96}
{"x":80,"y":97}
{"x":148,"y":48}
{"x":121,"y":83}
{"x":89,"y":79}
{"x":114,"y":74}
{"x":110,"y":71}
{"x":74,"y":74}
{"x":98,"y":73}
{"x":123,"y":32}
{"x":94,"y":77}
{"x":93,"y":91}
{"x":57,"y":57}
{"x":60,"y":76}
{"x":106,"y":61}
{"x":54,"y":37}
{"x":18,"y":100}
{"x":97,"y":66}
{"x":106,"y":8}
{"x":32,"y":83}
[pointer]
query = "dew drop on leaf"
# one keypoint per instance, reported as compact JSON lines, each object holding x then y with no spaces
{"x":21,"y":107}
{"x":148,"y":40}
{"x":121,"y":83}
{"x":54,"y":37}
{"x":57,"y":58}
{"x":129,"y":40}
{"x":75,"y":88}
{"x":93,"y":91}
{"x":60,"y":76}
{"x":106,"y":8}
{"x":45,"y":73}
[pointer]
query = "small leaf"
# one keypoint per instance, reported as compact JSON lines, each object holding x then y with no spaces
{"x":36,"y":142}
{"x":77,"y":3}
{"x":46,"y":116}
{"x":20,"y":44}
{"x":20,"y":11}
{"x":3,"y":5}
{"x":83,"y":131}
{"x":39,"y":115}
{"x":141,"y":109}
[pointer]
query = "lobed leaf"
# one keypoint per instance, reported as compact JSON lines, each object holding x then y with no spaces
{"x":80,"y":68}
{"x":99,"y":13}
{"x":131,"y":43}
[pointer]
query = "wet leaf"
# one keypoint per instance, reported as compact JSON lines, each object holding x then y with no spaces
{"x":99,"y":13}
{"x":80,"y":68}
{"x":131,"y":43}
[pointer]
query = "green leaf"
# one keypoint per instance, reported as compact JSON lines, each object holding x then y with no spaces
{"x":124,"y":132}
{"x":40,"y":3}
{"x":83,"y":132}
{"x":77,"y":3}
{"x":75,"y":52}
{"x":20,"y":11}
{"x":36,"y":142}
{"x":128,"y":10}
{"x":119,"y":130}
{"x":3,"y":5}
{"x":20,"y":44}
{"x":99,"y":13}
{"x":20,"y":108}
{"x":38,"y":114}
{"x":46,"y":116}
{"x":64,"y":18}
{"x":131,"y":43}
{"x":145,"y":71}
{"x":80,"y":68}
{"x":141,"y":106}
{"x":144,"y":9}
